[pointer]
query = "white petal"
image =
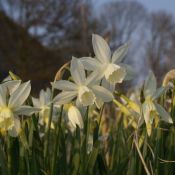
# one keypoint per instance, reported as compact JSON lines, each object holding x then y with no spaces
{"x":64,"y":97}
{"x":99,"y":103}
{"x":77,"y":71}
{"x":64,"y":85}
{"x":146,"y":112}
{"x":42,"y":97}
{"x":15,"y":130}
{"x":26,"y":110}
{"x":130,"y":73}
{"x":90,"y":63}
{"x":120,"y":53}
{"x":150,"y":85}
{"x":94,"y":77}
{"x":12,"y":85}
{"x":158,"y":93}
{"x":101,"y":48}
{"x":3,"y":94}
{"x":86,"y":96}
{"x":115,"y":74}
{"x":20,"y":95}
{"x":48,"y":93}
{"x":75,"y":117}
{"x":36,"y":102}
{"x":163,"y":114}
{"x":102,"y":93}
{"x":109,"y":86}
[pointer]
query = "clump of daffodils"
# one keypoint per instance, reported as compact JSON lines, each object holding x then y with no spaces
{"x":79,"y":122}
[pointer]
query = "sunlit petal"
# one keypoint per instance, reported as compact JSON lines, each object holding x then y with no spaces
{"x":90,"y":63}
{"x":163,"y":114}
{"x":77,"y":71}
{"x":64,"y":97}
{"x":150,"y":85}
{"x":75,"y":117}
{"x":102,"y":93}
{"x":86,"y":96}
{"x":26,"y":110}
{"x":3,"y":94}
{"x":64,"y":85}
{"x":115,"y":74}
{"x":101,"y":48}
{"x":15,"y":130}
{"x":120,"y":53}
{"x":11,"y":85}
{"x":20,"y":95}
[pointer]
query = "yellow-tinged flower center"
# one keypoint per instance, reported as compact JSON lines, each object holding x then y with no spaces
{"x":86,"y":96}
{"x":115,"y":73}
{"x":6,"y":118}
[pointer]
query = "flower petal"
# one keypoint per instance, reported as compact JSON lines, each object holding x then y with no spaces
{"x":101,"y":48}
{"x":150,"y":85}
{"x":102,"y":93}
{"x":36,"y":102}
{"x":163,"y":114}
{"x":64,"y":97}
{"x":3,"y":94}
{"x":26,"y":110}
{"x":77,"y":71}
{"x":75,"y":117}
{"x":99,"y":103}
{"x":158,"y":93}
{"x":109,"y":86}
{"x":130,"y":73}
{"x":42,"y":97}
{"x":64,"y":85}
{"x":146,"y":114}
{"x":120,"y":53}
{"x":15,"y":130}
{"x":94,"y":77}
{"x":90,"y":63}
{"x":12,"y":85}
{"x":20,"y":95}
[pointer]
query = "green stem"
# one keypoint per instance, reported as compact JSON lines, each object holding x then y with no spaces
{"x":57,"y":138}
{"x":9,"y":164}
{"x":85,"y":143}
{"x":48,"y":135}
{"x":101,"y":114}
{"x":141,"y":157}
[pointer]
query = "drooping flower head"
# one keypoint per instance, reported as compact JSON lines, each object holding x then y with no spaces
{"x":150,"y":106}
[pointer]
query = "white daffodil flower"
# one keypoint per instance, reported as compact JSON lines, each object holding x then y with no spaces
{"x":149,"y":107}
{"x":12,"y":105}
{"x":107,"y":66}
{"x":75,"y":118}
{"x":43,"y":104}
{"x":85,"y":89}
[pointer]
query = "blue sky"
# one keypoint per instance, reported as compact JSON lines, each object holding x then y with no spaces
{"x":152,"y":5}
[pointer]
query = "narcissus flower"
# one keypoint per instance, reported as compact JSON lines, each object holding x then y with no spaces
{"x":150,"y":107}
{"x":12,"y":98}
{"x":43,"y":104}
{"x":75,"y":118}
{"x":84,"y":89}
{"x":108,"y":66}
